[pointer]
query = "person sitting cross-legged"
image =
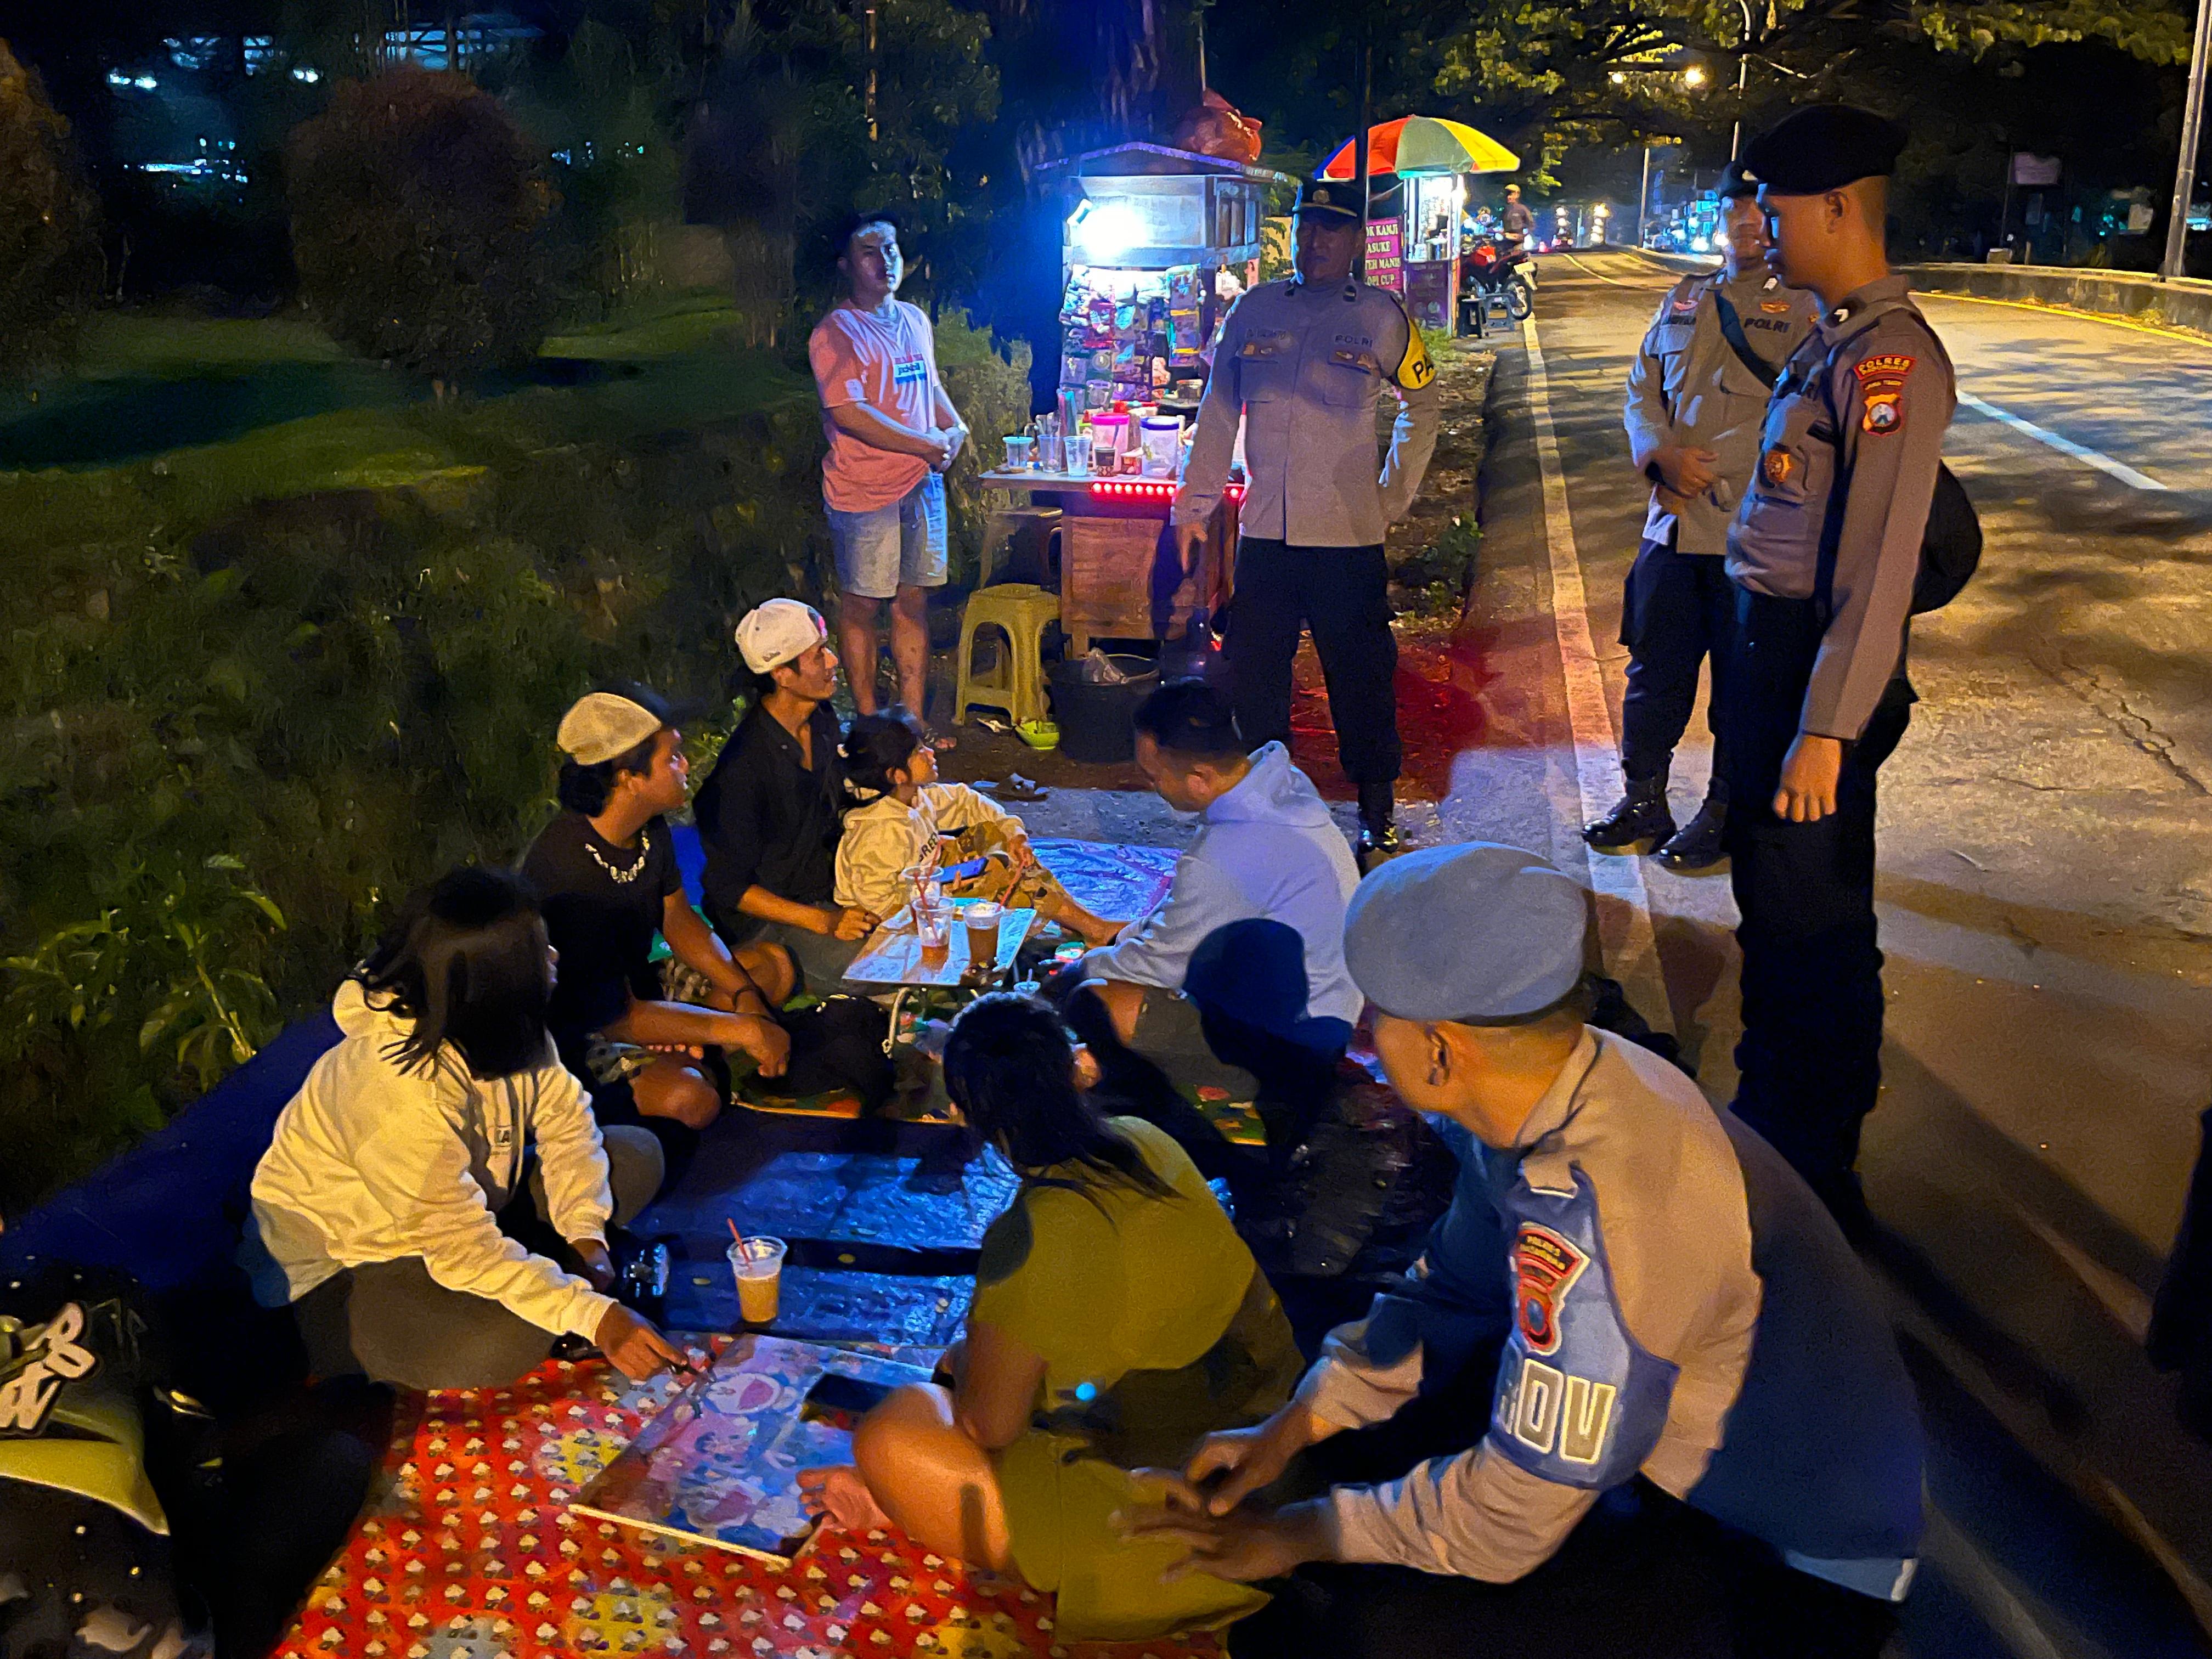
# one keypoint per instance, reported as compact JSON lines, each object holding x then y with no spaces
{"x":1118,"y":1320}
{"x":1266,"y":848}
{"x":908,"y":819}
{"x":605,"y":875}
{"x":442,"y":1120}
{"x":770,"y":812}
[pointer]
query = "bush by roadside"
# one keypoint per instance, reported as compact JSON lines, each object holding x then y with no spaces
{"x":237,"y":724}
{"x":49,"y":258}
{"x":421,"y":225}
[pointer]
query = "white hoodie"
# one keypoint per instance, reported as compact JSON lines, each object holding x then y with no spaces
{"x":1267,"y":848}
{"x":373,"y":1163}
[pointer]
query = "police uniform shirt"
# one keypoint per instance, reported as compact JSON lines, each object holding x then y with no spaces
{"x":1861,"y":409}
{"x":1688,"y":388}
{"x":1632,"y":1300}
{"x":1304,"y":365}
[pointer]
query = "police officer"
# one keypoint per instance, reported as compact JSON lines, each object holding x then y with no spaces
{"x":1630,"y":1295}
{"x":1697,"y":396}
{"x":1302,"y":361}
{"x":1824,"y":552}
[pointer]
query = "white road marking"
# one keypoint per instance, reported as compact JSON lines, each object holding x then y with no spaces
{"x":1641,"y":288}
{"x":2120,"y":470}
{"x":1631,"y":952}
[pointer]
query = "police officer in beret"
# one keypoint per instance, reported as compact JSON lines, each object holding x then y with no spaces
{"x":1638,"y":1395}
{"x":1823,"y":553}
{"x":1303,"y":362}
{"x":1697,"y":397}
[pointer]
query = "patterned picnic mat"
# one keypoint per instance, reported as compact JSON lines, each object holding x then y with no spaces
{"x":467,"y":1551}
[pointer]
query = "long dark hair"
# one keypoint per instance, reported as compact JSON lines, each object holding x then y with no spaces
{"x":1010,"y":1066}
{"x":466,"y":962}
{"x":878,"y":745}
{"x":587,"y":789}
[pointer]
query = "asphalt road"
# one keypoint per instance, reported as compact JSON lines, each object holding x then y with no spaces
{"x":2046,"y":895}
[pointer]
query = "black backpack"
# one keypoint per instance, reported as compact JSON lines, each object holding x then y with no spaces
{"x":1951,"y":546}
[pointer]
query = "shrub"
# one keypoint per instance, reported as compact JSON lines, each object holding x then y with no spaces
{"x":992,"y":396}
{"x":231,"y":736}
{"x":50,"y":265}
{"x":420,"y":222}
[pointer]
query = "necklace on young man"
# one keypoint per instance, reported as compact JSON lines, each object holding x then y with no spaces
{"x":625,"y":877}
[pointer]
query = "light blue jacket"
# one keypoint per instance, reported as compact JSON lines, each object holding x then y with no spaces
{"x":1267,"y":848}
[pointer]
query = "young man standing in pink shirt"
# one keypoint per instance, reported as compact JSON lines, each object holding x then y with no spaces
{"x":892,"y":434}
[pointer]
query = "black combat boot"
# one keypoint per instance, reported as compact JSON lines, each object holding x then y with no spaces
{"x":1638,"y":823}
{"x":1378,"y":830}
{"x":1695,"y":849}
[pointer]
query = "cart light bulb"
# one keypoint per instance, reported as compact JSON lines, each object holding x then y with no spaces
{"x":1107,"y":230}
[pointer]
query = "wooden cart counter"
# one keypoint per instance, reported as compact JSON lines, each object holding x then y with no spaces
{"x":1119,"y":577}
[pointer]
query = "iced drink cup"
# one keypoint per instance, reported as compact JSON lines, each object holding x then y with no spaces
{"x":757,"y":1264}
{"x":981,"y":920}
{"x":932,"y":927}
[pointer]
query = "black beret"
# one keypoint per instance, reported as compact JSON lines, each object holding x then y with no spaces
{"x":1736,"y":184}
{"x":1822,"y":147}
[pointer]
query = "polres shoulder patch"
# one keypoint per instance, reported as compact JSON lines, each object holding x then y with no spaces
{"x":1881,"y":381}
{"x":1579,"y":1401}
{"x":1545,"y":1265}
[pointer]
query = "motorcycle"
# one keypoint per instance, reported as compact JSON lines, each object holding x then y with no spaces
{"x":1492,"y":271}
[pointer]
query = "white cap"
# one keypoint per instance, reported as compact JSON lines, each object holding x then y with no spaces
{"x":771,"y":634}
{"x":602,"y":726}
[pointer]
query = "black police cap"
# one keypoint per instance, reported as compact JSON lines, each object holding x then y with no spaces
{"x":1339,"y":197}
{"x":1822,"y":147}
{"x":1736,"y":184}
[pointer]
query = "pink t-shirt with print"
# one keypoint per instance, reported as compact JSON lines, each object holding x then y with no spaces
{"x":890,"y":366}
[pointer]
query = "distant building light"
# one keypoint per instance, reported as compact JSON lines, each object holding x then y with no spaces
{"x":119,"y":78}
{"x":146,"y":83}
{"x":260,"y":53}
{"x":309,"y":75}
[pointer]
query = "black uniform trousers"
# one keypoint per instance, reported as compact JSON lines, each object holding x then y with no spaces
{"x":1810,"y":1058}
{"x":1642,"y":1575}
{"x":1679,"y":609}
{"x":1341,"y":593}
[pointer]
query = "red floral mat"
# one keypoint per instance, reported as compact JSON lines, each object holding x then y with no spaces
{"x":467,"y":1551}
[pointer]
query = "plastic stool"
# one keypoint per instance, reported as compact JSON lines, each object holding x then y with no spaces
{"x":1021,"y":612}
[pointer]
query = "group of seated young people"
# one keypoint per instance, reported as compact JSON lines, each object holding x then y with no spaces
{"x":444,"y":1165}
{"x":1128,"y":1422}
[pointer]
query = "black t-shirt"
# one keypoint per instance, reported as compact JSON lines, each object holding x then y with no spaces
{"x":602,"y":925}
{"x":766,"y":820}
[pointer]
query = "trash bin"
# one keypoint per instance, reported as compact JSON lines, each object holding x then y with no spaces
{"x":1097,"y":721}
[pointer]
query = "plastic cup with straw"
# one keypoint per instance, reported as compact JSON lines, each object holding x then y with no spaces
{"x":757,"y":1264}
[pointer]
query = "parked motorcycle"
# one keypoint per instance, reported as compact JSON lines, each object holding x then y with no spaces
{"x":1492,"y":271}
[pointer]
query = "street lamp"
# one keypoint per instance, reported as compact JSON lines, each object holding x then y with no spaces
{"x":1694,"y":76}
{"x":2193,"y":129}
{"x":1742,"y":69}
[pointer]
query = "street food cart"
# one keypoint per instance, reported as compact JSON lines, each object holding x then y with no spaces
{"x":1155,"y":243}
{"x":1417,"y":253}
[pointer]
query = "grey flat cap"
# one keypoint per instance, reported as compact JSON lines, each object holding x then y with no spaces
{"x":1475,"y":933}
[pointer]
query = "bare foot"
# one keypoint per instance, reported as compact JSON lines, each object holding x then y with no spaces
{"x":839,"y":1492}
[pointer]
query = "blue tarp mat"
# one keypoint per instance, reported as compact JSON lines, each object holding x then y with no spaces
{"x":167,"y":1212}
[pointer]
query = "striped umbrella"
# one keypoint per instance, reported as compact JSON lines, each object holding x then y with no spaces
{"x":1423,"y":144}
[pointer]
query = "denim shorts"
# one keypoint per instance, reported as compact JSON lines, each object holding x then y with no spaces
{"x":902,"y":545}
